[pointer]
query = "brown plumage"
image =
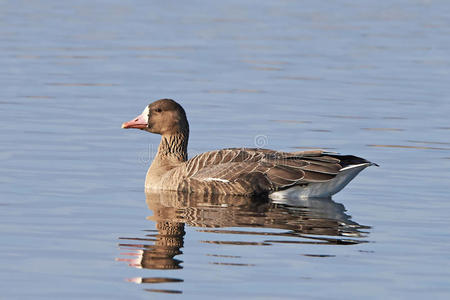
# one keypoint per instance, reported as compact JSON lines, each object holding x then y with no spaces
{"x":234,"y":171}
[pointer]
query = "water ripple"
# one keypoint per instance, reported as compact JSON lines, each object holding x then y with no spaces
{"x":307,"y":222}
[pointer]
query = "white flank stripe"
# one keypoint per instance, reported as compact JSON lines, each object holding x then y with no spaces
{"x":216,"y":179}
{"x":354,"y":166}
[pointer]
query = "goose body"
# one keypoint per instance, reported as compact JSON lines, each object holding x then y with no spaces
{"x":238,"y":171}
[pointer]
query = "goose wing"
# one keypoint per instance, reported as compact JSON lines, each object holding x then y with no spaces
{"x":261,"y":170}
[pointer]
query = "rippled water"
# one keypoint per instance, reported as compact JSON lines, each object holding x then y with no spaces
{"x":358,"y":77}
{"x":251,"y":223}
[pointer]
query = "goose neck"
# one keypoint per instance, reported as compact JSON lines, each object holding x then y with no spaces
{"x":173,"y":147}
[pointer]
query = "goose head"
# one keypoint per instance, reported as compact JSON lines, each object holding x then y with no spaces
{"x":164,"y":116}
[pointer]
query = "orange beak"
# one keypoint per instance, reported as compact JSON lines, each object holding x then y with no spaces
{"x":138,"y":122}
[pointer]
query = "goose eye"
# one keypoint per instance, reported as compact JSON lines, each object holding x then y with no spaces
{"x":158,"y":109}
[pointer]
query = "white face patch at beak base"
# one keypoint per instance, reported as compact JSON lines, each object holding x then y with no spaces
{"x":145,"y":113}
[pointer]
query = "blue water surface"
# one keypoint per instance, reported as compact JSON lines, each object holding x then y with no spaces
{"x":369,"y":78}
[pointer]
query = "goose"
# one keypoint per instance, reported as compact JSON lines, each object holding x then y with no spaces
{"x":237,"y":171}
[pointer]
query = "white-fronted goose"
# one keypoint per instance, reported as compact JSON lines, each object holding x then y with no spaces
{"x":237,"y":171}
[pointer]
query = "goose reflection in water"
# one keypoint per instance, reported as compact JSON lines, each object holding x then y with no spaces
{"x":309,"y":221}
